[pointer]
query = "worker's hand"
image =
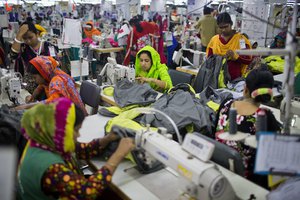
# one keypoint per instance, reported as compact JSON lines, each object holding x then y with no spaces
{"x":23,"y":29}
{"x":112,"y":137}
{"x":229,"y":55}
{"x":21,"y":107}
{"x":144,"y":79}
{"x":29,"y":99}
{"x":125,"y":146}
{"x":141,"y":79}
{"x":108,"y":139}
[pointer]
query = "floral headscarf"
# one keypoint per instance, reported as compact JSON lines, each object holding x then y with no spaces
{"x":51,"y":126}
{"x":59,"y":84}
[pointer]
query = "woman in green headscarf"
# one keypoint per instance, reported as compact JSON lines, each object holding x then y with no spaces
{"x":48,"y":169}
{"x":149,"y":69}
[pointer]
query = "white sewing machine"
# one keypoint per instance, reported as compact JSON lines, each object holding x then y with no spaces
{"x":10,"y":85}
{"x":202,"y":180}
{"x":295,"y":109}
{"x":115,"y":72}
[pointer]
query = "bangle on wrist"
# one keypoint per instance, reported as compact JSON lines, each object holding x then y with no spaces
{"x":18,"y":41}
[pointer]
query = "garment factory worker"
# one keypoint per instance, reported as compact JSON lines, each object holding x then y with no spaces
{"x":89,"y":30}
{"x":27,"y":46}
{"x":226,"y":43}
{"x":142,"y":34}
{"x":48,"y":168}
{"x":149,"y":69}
{"x":207,"y":27}
{"x":52,"y":81}
{"x":279,"y":41}
{"x":258,"y":90}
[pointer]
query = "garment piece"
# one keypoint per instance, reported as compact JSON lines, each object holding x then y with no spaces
{"x":245,"y":124}
{"x":60,"y":84}
{"x":219,"y":46}
{"x":276,"y":64}
{"x":214,"y":73}
{"x":207,"y":28}
{"x":158,"y":71}
{"x":128,"y":93}
{"x":184,"y":109}
{"x":49,"y":129}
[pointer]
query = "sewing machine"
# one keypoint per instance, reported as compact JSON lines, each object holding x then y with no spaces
{"x":10,"y":85}
{"x":115,"y":72}
{"x":200,"y":179}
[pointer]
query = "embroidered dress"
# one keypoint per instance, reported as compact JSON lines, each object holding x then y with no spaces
{"x":60,"y":84}
{"x":245,"y":124}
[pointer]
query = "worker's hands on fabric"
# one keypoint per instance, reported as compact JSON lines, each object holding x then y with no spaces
{"x":144,"y":80}
{"x":125,"y":146}
{"x":23,"y":29}
{"x":108,"y":139}
{"x":231,"y":55}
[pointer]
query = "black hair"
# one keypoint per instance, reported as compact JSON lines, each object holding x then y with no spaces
{"x":32,"y":69}
{"x":224,"y":18}
{"x":260,"y":78}
{"x":146,"y":52}
{"x":206,"y":10}
{"x":79,"y":116}
{"x":135,"y":21}
{"x":246,"y":35}
{"x":31,"y":27}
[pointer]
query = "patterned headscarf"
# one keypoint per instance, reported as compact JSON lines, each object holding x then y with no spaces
{"x":60,"y":84}
{"x":51,"y":126}
{"x":46,"y":65}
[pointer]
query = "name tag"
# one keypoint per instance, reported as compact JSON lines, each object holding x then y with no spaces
{"x":242,"y":44}
{"x":52,"y":51}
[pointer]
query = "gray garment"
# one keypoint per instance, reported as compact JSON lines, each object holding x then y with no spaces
{"x":184,"y":108}
{"x":127,"y":93}
{"x":208,"y":74}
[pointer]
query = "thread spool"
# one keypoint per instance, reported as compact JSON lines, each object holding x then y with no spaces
{"x":99,"y":80}
{"x":232,"y":121}
{"x":261,"y":123}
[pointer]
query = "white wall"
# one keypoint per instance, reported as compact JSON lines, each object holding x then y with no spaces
{"x":158,"y":6}
{"x":196,"y":6}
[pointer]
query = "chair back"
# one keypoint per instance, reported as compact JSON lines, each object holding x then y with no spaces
{"x":180,"y":77}
{"x":90,"y":95}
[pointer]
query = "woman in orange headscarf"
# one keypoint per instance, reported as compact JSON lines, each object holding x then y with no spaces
{"x":89,"y":30}
{"x":54,"y":82}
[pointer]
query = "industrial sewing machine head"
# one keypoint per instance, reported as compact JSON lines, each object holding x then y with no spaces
{"x":294,"y":107}
{"x":115,"y":72}
{"x":10,"y":85}
{"x":200,"y":179}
